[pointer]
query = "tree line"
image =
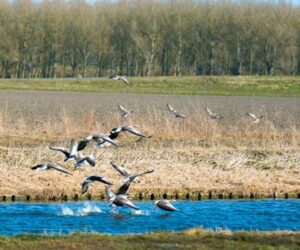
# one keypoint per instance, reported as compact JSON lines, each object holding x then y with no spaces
{"x":57,"y":38}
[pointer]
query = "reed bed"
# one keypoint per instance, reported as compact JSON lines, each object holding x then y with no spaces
{"x":194,"y":154}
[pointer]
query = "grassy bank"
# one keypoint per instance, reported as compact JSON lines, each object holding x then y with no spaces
{"x":196,"y":85}
{"x":191,"y":239}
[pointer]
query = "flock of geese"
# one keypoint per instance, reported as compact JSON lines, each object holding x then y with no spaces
{"x":120,"y":198}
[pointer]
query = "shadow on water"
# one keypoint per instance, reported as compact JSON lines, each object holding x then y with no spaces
{"x":70,"y":217}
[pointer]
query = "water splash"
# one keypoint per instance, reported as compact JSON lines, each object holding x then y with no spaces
{"x":66,"y":211}
{"x":87,"y":209}
{"x":140,"y":212}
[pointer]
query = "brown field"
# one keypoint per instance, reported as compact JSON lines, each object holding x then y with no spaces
{"x":193,"y":155}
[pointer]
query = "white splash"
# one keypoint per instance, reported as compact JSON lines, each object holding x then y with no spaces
{"x":87,"y":209}
{"x":140,"y":212}
{"x":67,"y":211}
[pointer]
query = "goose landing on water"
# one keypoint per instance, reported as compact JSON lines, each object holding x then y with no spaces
{"x":118,"y":200}
{"x":164,"y":205}
{"x":50,"y":165}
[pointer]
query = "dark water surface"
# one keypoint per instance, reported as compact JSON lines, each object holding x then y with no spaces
{"x":66,"y":218}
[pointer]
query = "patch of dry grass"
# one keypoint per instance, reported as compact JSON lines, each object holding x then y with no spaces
{"x":196,"y":154}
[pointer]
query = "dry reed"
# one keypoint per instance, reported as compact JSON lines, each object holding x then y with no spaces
{"x":192,"y":154}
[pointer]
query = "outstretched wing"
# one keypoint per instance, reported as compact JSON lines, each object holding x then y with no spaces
{"x":122,"y":109}
{"x":109,"y":194}
{"x":61,"y":149}
{"x":73,"y":148}
{"x":124,"y":79}
{"x":40,"y":167}
{"x":124,"y":188}
{"x":123,"y":171}
{"x":106,"y":139}
{"x":172,"y":110}
{"x":85,"y":186}
{"x":57,"y":167}
{"x":133,"y":131}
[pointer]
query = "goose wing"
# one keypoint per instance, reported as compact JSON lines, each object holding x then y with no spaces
{"x":40,"y":167}
{"x":123,"y":171}
{"x":73,"y":147}
{"x":180,"y":115}
{"x":82,"y":144}
{"x":61,"y":149}
{"x":132,"y":177}
{"x":105,"y":138}
{"x":124,"y":79}
{"x":122,"y":199}
{"x":57,"y":167}
{"x":133,"y":131}
{"x":91,"y":179}
{"x":172,"y":110}
{"x":91,"y":160}
{"x":253,"y":116}
{"x":99,"y":178}
{"x":122,"y":109}
{"x":109,"y":194}
{"x":124,"y":188}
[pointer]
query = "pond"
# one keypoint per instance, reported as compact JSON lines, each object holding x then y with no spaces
{"x":88,"y":217}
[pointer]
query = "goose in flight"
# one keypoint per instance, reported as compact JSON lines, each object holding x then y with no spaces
{"x":254,"y":117}
{"x":174,"y":112}
{"x":69,"y":154}
{"x":127,"y":128}
{"x":89,"y":180}
{"x":126,"y":174}
{"x":213,"y":115}
{"x":99,"y":139}
{"x":124,"y":112}
{"x":120,"y":78}
{"x":50,"y":165}
{"x":90,"y":159}
{"x":115,"y":132}
{"x":164,"y":205}
{"x":118,"y":200}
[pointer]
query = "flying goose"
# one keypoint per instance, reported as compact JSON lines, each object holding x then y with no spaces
{"x":89,"y":180}
{"x":115,"y":132}
{"x":125,"y":173}
{"x":213,"y":115}
{"x":127,"y":128}
{"x":50,"y":165}
{"x":174,"y":112}
{"x":254,"y":117}
{"x":121,"y":78}
{"x":118,"y":200}
{"x":99,"y":139}
{"x":124,"y":112}
{"x":71,"y":153}
{"x":164,"y":205}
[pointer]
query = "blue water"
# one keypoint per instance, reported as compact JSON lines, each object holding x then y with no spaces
{"x":66,"y":218}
